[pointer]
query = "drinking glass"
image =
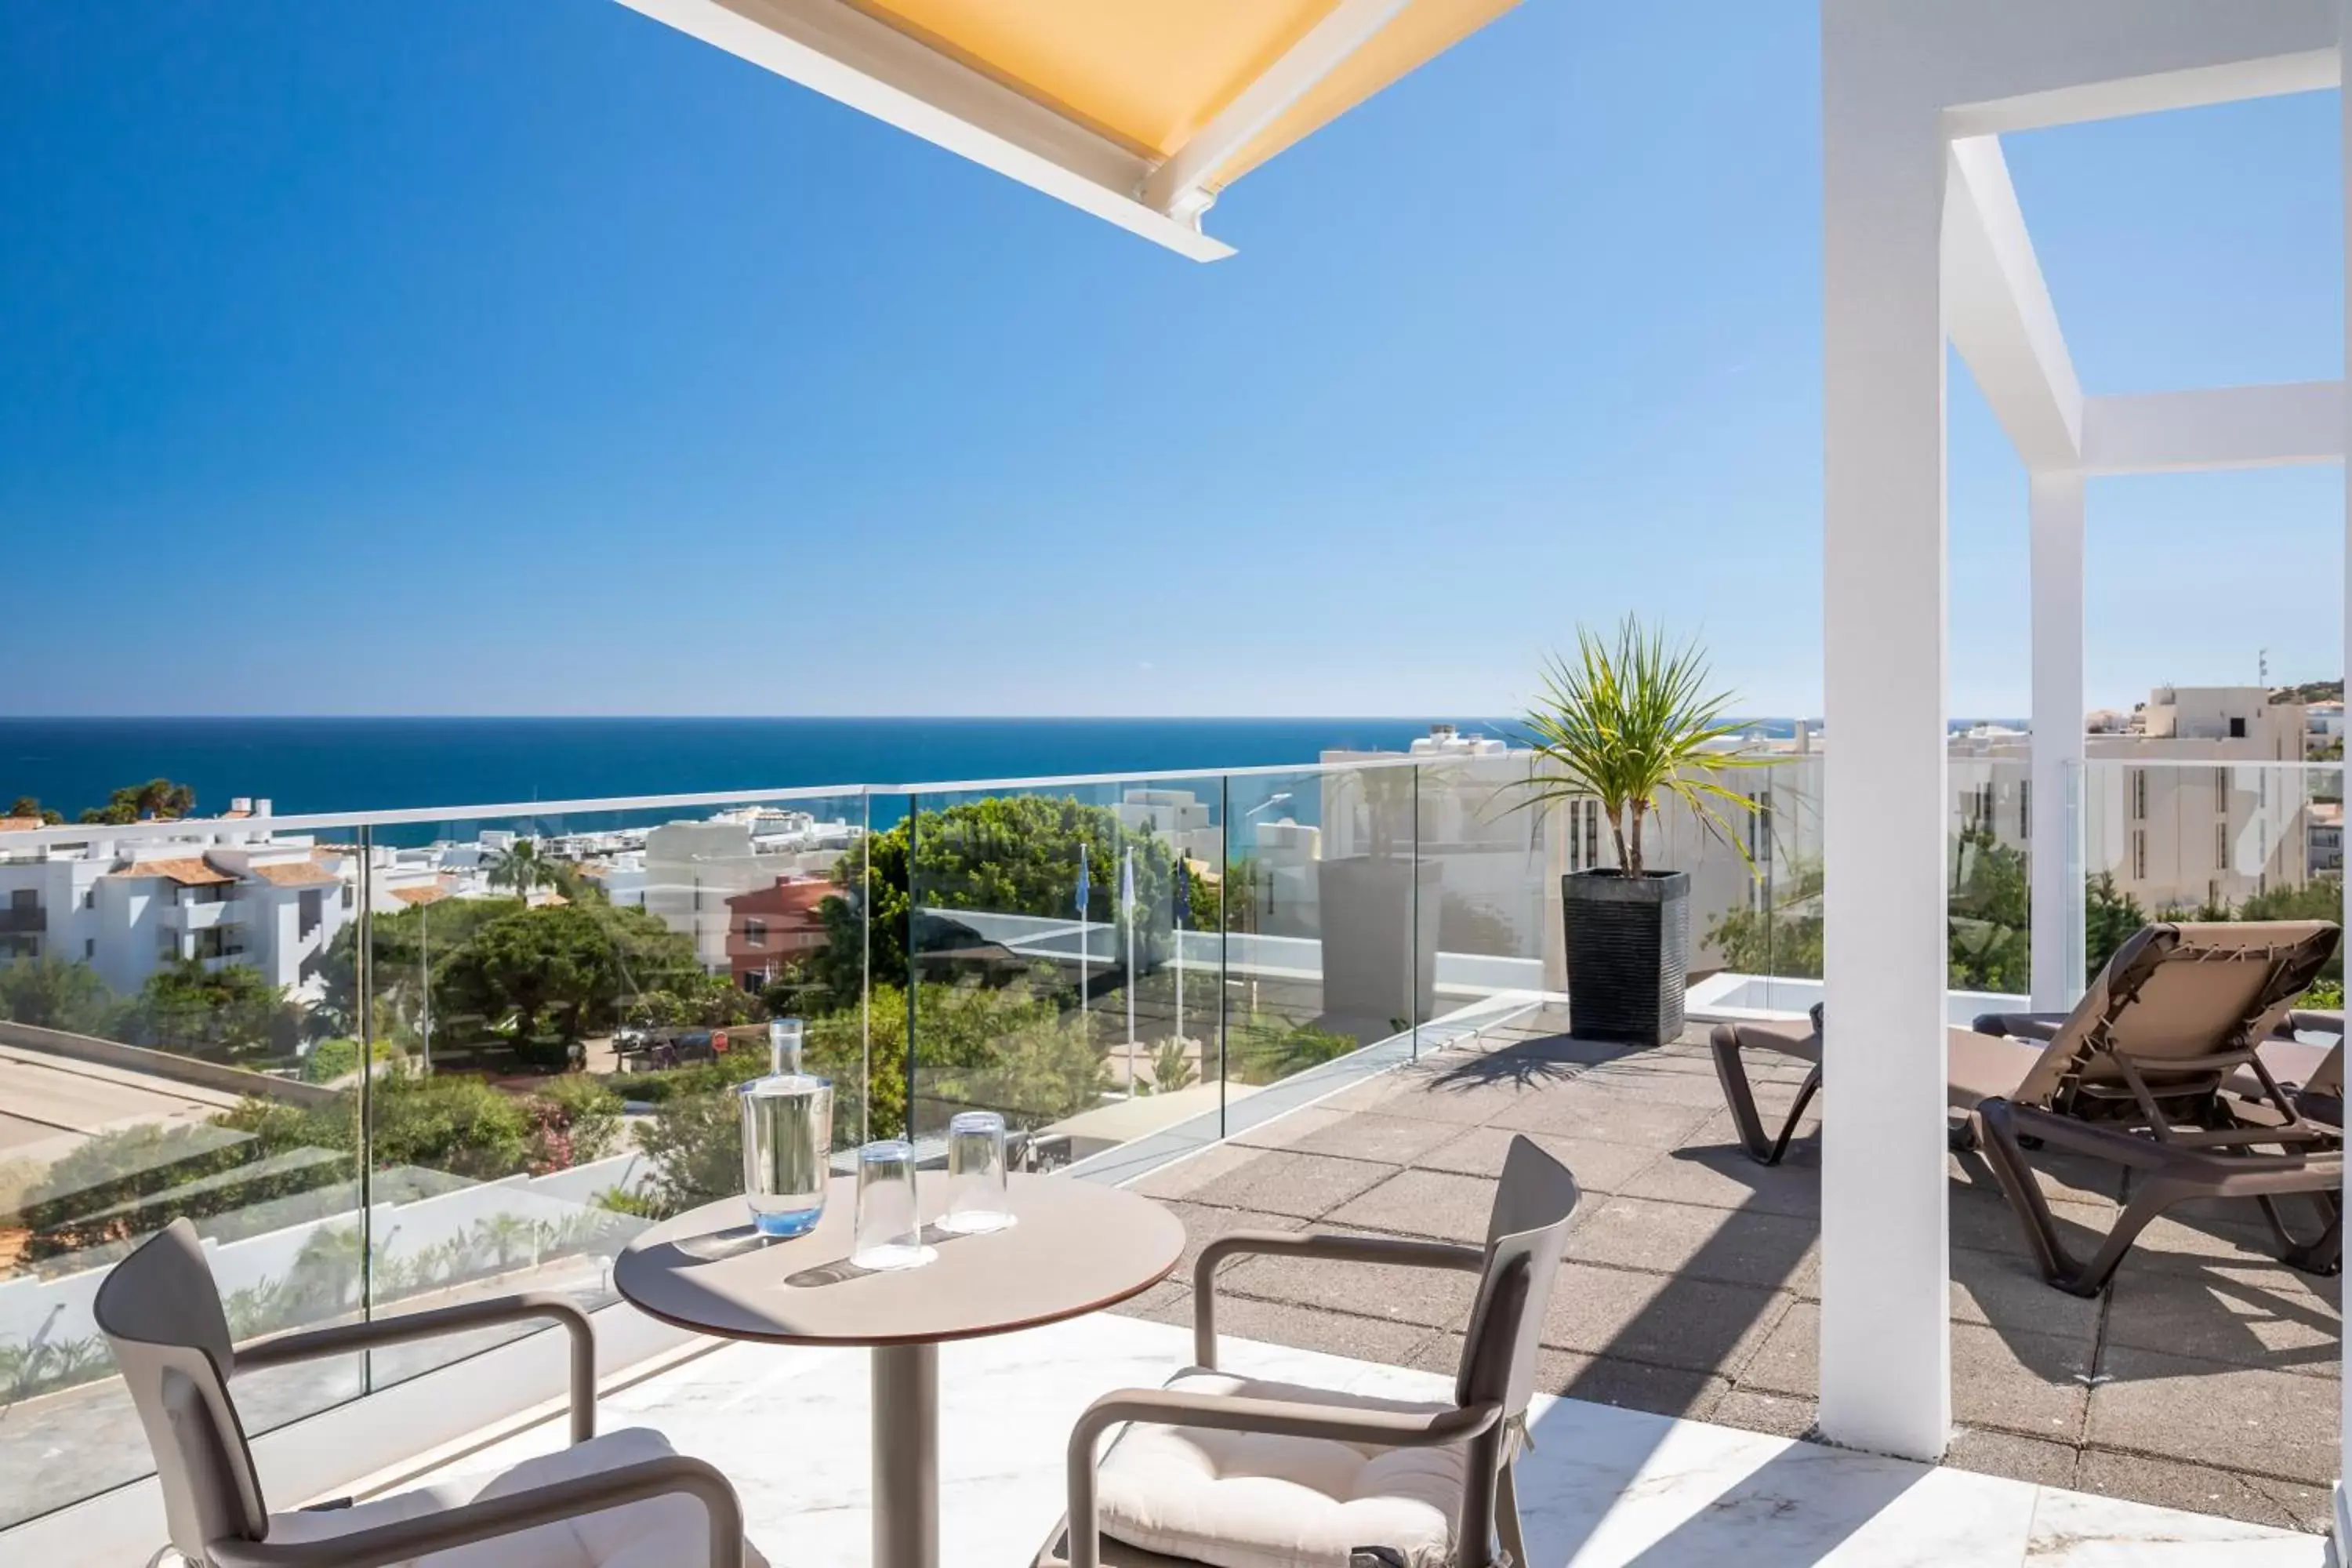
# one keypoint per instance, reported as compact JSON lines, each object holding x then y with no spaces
{"x":888,"y":1235}
{"x":976,"y":1180}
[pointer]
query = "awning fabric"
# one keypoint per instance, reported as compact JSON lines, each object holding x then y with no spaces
{"x":1154,"y":105}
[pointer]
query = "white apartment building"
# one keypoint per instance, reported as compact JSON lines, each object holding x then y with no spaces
{"x":687,"y":870}
{"x":2181,"y":811}
{"x":1178,"y":816}
{"x":220,"y":896}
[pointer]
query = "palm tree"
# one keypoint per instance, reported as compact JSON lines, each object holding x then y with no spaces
{"x":521,"y":866}
{"x":1631,"y":721}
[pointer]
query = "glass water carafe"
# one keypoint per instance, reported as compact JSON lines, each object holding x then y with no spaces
{"x":787,"y":1138}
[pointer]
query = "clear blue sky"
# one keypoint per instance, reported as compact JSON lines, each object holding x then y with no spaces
{"x":523,"y":356}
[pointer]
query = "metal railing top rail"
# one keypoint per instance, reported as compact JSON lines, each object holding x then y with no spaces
{"x":2296,"y":765}
{"x":183,"y":828}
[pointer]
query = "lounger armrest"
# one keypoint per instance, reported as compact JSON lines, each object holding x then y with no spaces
{"x":1399,"y":1251}
{"x":1229,"y":1412}
{"x":338,"y":1339}
{"x":2043,"y":1026}
{"x":673,"y":1475}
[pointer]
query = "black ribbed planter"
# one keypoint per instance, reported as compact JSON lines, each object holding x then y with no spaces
{"x":1628,"y":954}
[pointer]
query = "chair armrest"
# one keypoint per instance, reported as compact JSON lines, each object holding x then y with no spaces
{"x":1231,"y":1413}
{"x":1401,"y":1251}
{"x":338,"y":1339}
{"x":494,"y":1517}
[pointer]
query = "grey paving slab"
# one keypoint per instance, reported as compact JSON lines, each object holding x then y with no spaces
{"x":1773,"y":1251}
{"x":2008,"y":1454}
{"x":1276,"y":1181}
{"x":1434,"y":1297}
{"x":1435,"y":1204}
{"x":1582,"y":1110}
{"x":1600,"y":1167}
{"x":1353,"y":1135}
{"x":2202,"y":1412}
{"x":2169,"y":1483}
{"x":1728,"y":1178}
{"x":1699,"y":1325}
{"x":1205,"y":1222}
{"x":2270,"y":1318}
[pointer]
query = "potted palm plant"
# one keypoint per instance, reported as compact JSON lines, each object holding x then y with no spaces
{"x":1630,"y":721}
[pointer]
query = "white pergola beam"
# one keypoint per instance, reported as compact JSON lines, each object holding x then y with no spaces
{"x":854,"y":60}
{"x":2219,"y":427}
{"x":1997,"y":309}
{"x":1174,"y":187}
{"x":2266,"y":76}
{"x":1995,"y":65}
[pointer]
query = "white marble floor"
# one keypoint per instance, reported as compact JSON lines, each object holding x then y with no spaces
{"x":1603,"y":1486}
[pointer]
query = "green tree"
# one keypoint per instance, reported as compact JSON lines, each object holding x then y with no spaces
{"x":2321,"y":899}
{"x":25,"y":805}
{"x":54,"y":994}
{"x":1987,"y":914}
{"x":521,"y":869}
{"x":1785,"y":940}
{"x":553,"y":963}
{"x":230,"y":1013}
{"x":157,"y":799}
{"x":2109,"y":916}
{"x":1015,"y":854}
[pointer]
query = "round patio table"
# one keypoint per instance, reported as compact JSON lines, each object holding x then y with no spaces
{"x":1074,"y":1247}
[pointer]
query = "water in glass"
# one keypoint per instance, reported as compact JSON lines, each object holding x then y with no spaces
{"x":787,"y":1138}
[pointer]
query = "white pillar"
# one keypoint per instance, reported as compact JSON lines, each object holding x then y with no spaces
{"x":1886,"y":1351}
{"x":2058,"y":708}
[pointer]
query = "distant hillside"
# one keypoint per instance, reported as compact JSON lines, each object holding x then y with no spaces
{"x":2310,"y":691}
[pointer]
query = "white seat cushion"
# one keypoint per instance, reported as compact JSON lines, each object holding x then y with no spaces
{"x":1243,"y":1500}
{"x":659,"y":1532}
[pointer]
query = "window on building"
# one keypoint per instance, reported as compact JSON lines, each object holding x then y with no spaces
{"x":88,"y":948}
{"x":2025,"y":809}
{"x":755,"y":933}
{"x":2139,"y":795}
{"x":2220,"y":846}
{"x":310,"y":911}
{"x":349,"y":892}
{"x":2139,"y":855}
{"x":89,"y":898}
{"x":2237,"y":729}
{"x":24,"y":900}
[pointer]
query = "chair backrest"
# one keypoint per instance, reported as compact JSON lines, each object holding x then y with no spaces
{"x":1526,"y":1232}
{"x":2176,"y":993}
{"x":161,"y":1317}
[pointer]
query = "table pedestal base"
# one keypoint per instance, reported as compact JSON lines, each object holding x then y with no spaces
{"x":906,"y":1456}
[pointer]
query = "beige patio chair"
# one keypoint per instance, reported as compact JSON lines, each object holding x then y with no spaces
{"x":622,"y":1500}
{"x":1235,"y":1472}
{"x":2165,"y":1066}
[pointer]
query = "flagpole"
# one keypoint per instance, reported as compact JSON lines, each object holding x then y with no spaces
{"x":1086,"y":950}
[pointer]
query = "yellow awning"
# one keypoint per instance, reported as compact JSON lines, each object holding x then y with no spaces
{"x":1141,"y":111}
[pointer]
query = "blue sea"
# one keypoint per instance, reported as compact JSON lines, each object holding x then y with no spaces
{"x":317,"y":765}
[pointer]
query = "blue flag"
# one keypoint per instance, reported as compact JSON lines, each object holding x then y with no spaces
{"x":1086,"y":888}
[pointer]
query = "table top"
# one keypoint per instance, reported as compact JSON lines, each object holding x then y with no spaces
{"x":1076,"y":1248}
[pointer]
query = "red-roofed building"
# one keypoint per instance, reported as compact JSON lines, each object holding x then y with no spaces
{"x":770,"y":927}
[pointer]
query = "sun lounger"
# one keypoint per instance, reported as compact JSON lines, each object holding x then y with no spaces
{"x":2167,"y":1067}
